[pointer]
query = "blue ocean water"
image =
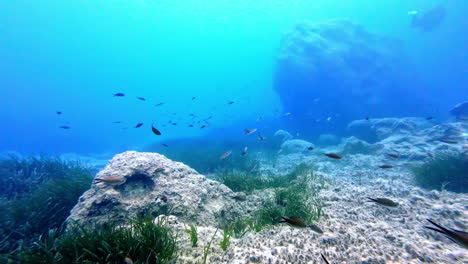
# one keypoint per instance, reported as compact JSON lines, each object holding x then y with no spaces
{"x":72,"y":56}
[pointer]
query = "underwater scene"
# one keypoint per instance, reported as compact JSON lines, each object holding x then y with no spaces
{"x":221,"y":131}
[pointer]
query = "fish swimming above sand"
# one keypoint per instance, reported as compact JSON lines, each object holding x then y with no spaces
{"x":243,"y":153}
{"x":310,"y":148}
{"x":141,"y":98}
{"x":203,"y":126}
{"x":59,"y":113}
{"x":448,"y":141}
{"x":333,"y":155}
{"x":299,"y":222}
{"x":383,"y":201}
{"x":225,"y":155}
{"x":64,"y":127}
{"x":393,"y":155}
{"x":325,"y":259}
{"x":155,"y":130}
{"x":119,"y":95}
{"x":164,"y":145}
{"x":457,"y":236}
{"x":385,"y":166}
{"x":230,"y":102}
{"x":261,"y":137}
{"x":138,"y":125}
{"x":159,"y":104}
{"x":110,"y":180}
{"x":249,"y":131}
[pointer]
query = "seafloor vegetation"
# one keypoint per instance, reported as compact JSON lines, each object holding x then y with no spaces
{"x":445,"y":171}
{"x":37,"y":195}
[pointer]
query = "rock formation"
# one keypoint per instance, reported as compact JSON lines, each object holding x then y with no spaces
{"x":339,"y":68}
{"x":154,"y":184}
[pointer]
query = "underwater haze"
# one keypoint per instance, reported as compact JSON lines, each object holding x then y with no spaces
{"x":73,"y":56}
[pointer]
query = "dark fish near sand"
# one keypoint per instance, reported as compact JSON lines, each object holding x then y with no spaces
{"x":383,"y":201}
{"x":457,"y":236}
{"x":155,"y":131}
{"x":243,"y":153}
{"x":141,"y":98}
{"x":448,"y":141}
{"x":119,"y":95}
{"x":59,"y":113}
{"x":315,"y":228}
{"x":310,"y":148}
{"x":429,"y":118}
{"x":159,"y":104}
{"x":110,"y":180}
{"x":249,"y":131}
{"x":299,"y":222}
{"x":64,"y":127}
{"x":193,"y":98}
{"x":261,"y":137}
{"x":138,"y":125}
{"x":164,"y":145}
{"x":367,"y":118}
{"x":296,"y":222}
{"x":190,"y":125}
{"x":230,"y":102}
{"x":324,"y":259}
{"x":225,"y":155}
{"x":393,"y":155}
{"x":385,"y":166}
{"x":333,"y":155}
{"x":203,"y":126}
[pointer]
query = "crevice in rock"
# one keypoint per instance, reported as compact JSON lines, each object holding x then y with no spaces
{"x":137,"y":184}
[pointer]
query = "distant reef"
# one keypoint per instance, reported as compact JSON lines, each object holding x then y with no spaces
{"x":338,"y":69}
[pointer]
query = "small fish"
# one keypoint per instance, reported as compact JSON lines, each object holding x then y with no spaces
{"x":208,"y":118}
{"x":261,"y":137}
{"x":59,"y":113}
{"x":296,"y":222}
{"x":310,"y":148}
{"x":393,"y":155}
{"x":230,"y":102}
{"x":279,"y":151}
{"x":119,"y":95}
{"x":448,"y":141}
{"x":116,"y":122}
{"x":193,"y":98}
{"x":243,"y":153}
{"x":155,"y":131}
{"x":64,"y":127}
{"x":429,"y":118}
{"x":249,"y":131}
{"x":138,"y":125}
{"x":164,"y":145}
{"x":383,"y":201}
{"x":367,"y":118}
{"x":457,"y":236}
{"x":315,"y":228}
{"x":110,"y":180}
{"x":190,"y":125}
{"x":128,"y":260}
{"x":174,"y":124}
{"x":412,"y":13}
{"x":159,"y":104}
{"x":141,"y":98}
{"x":203,"y":126}
{"x":385,"y":166}
{"x":333,"y":155}
{"x":324,"y":259}
{"x":225,"y":155}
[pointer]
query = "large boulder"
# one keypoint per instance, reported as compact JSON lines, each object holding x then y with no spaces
{"x":374,"y":130}
{"x":295,"y":146}
{"x":340,"y":69}
{"x":152,"y":183}
{"x":460,"y":111}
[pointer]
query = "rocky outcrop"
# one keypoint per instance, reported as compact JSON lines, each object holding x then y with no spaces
{"x":353,"y":145}
{"x":295,"y":146}
{"x":460,"y":111}
{"x":152,"y":183}
{"x":340,"y":68}
{"x":374,"y":130}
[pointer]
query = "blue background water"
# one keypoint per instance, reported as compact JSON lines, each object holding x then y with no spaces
{"x":71,"y":56}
